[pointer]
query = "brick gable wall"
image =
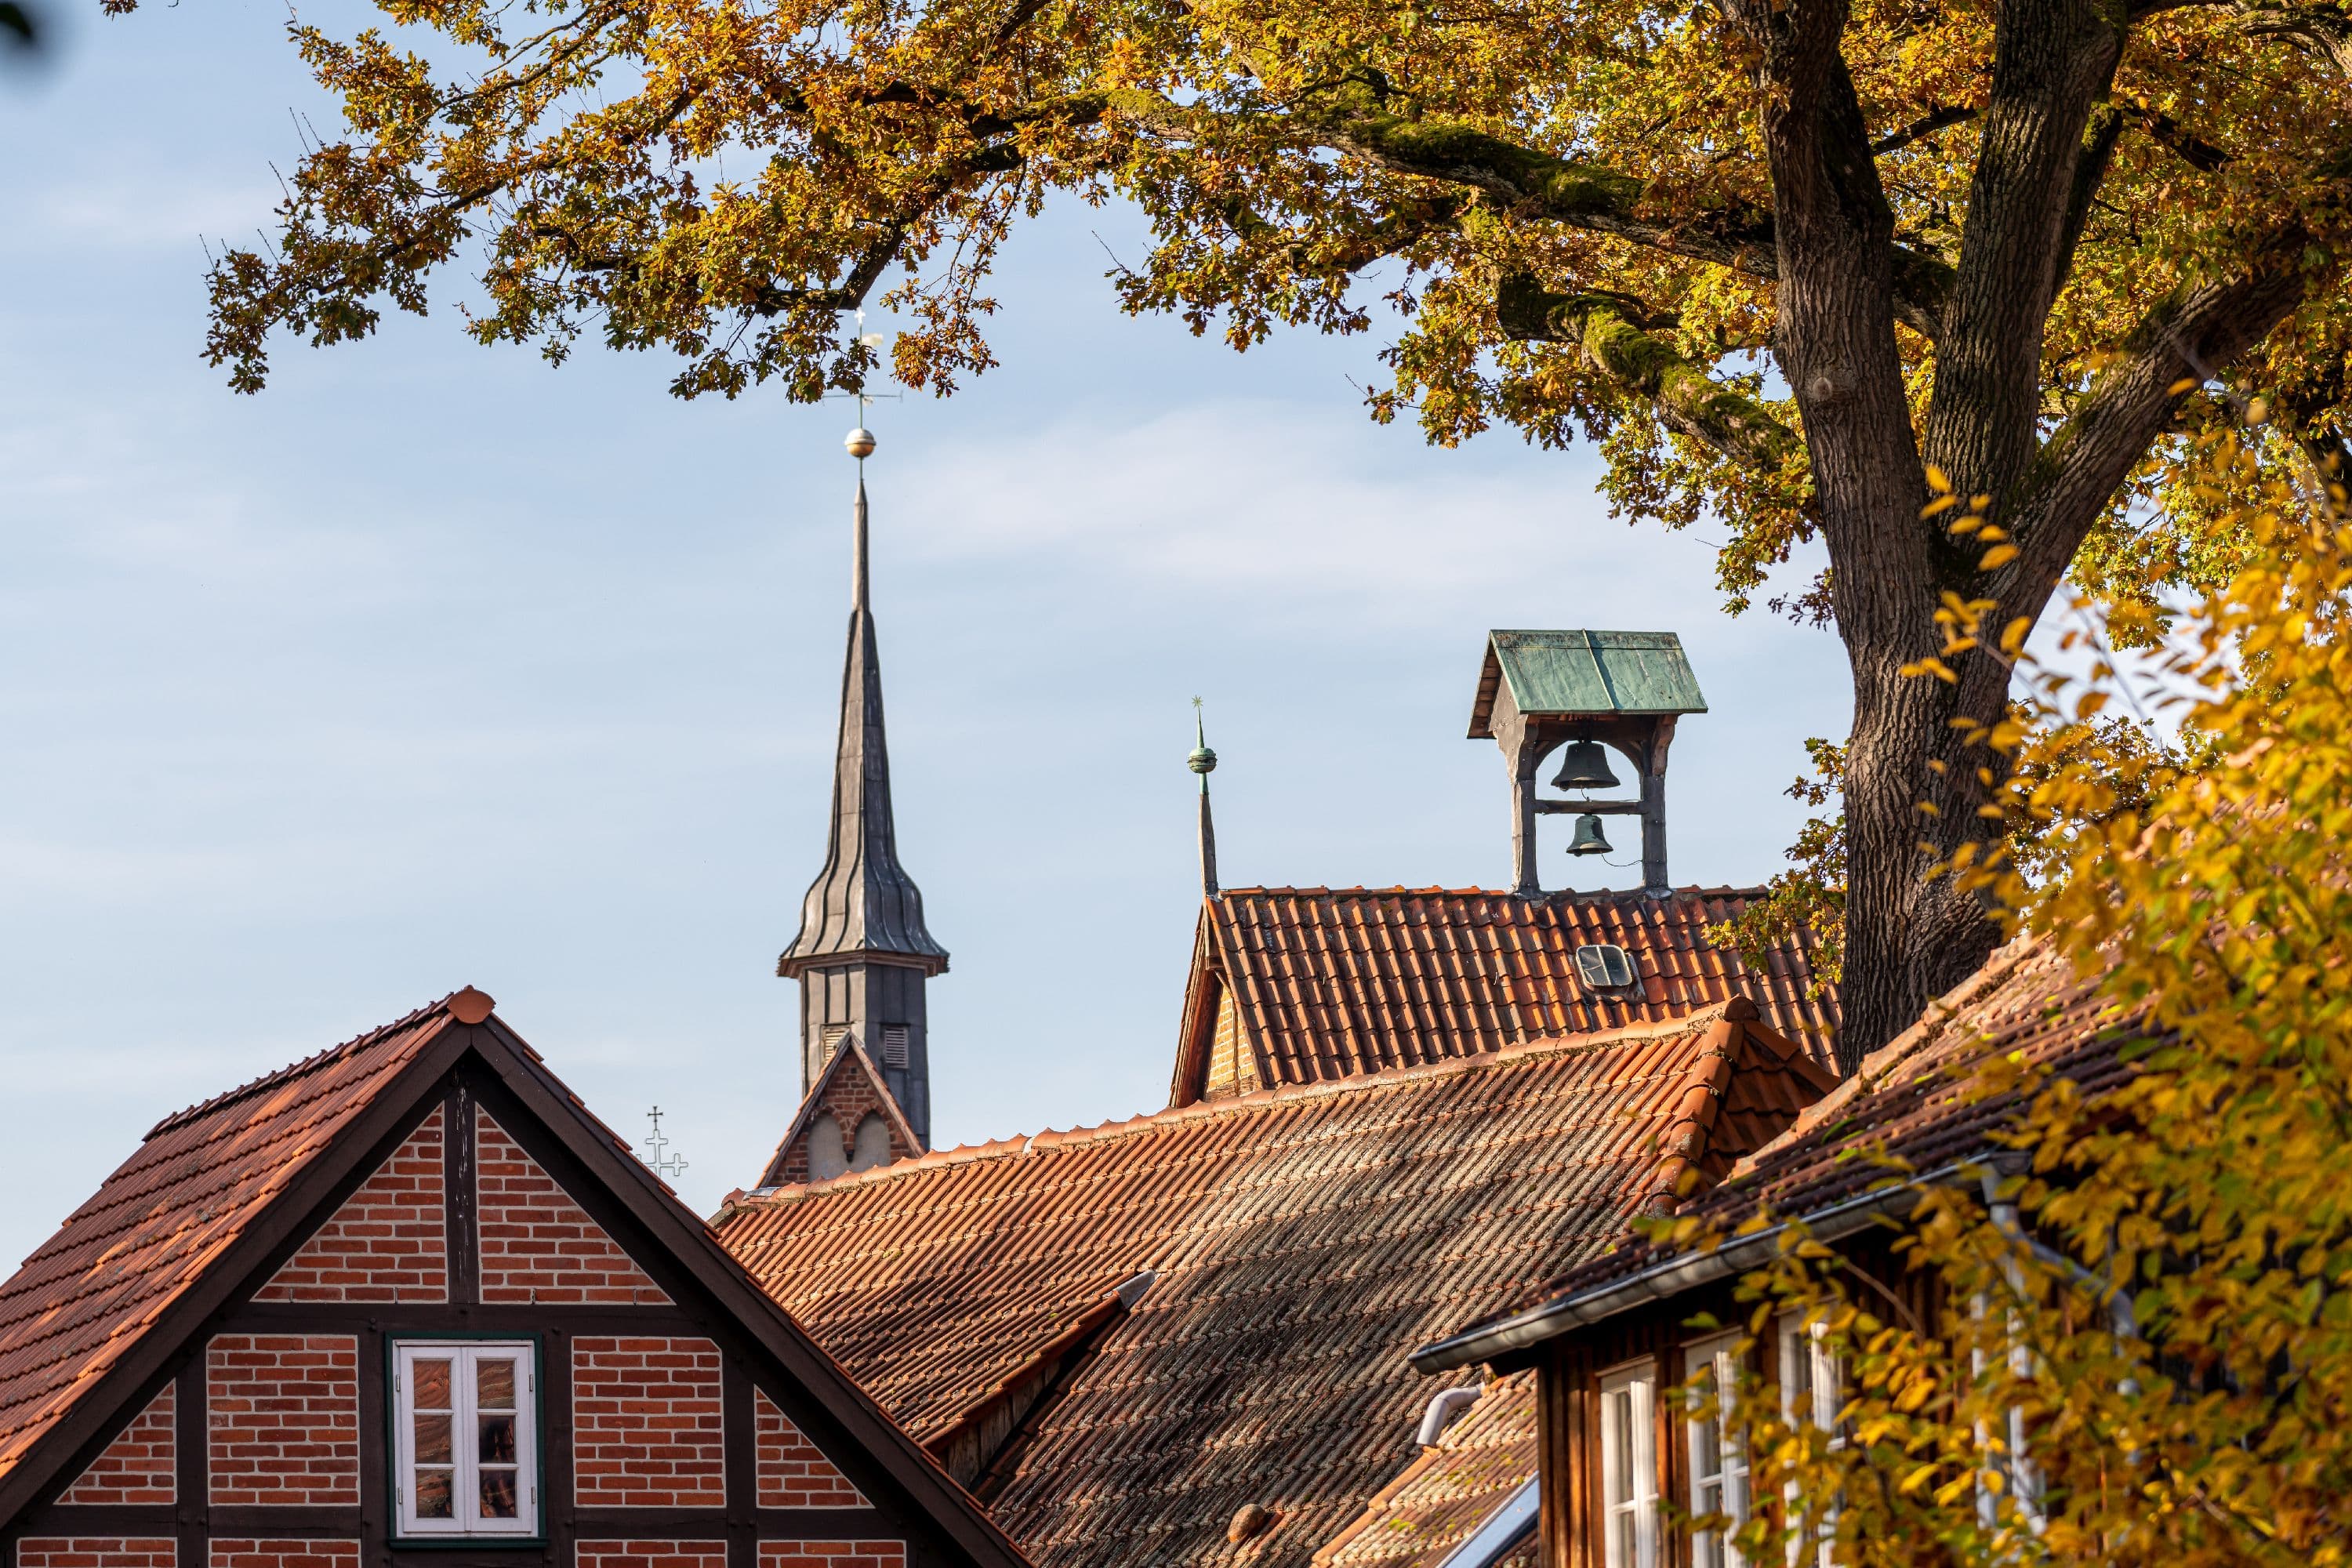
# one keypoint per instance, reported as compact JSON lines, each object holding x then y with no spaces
{"x":538,"y":1245}
{"x":646,"y":1424}
{"x":833,"y":1554}
{"x":849,"y":1096}
{"x":792,"y":1473}
{"x":389,"y":1242}
{"x":140,"y":1466}
{"x":284,"y":1419}
{"x":96,"y":1552}
{"x":1232,"y":1065}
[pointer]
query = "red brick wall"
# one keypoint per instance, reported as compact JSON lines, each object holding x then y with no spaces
{"x":285,"y":1553}
{"x":793,"y":1474}
{"x":390,"y":1241}
{"x":849,"y":1095}
{"x":645,"y":1424}
{"x":833,"y":1554}
{"x":537,"y":1243}
{"x":285,"y":1419}
{"x":96,"y":1551}
{"x":137,"y":1466}
{"x":650,"y":1554}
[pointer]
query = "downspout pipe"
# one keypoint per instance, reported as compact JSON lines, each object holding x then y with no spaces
{"x":1442,"y":1408}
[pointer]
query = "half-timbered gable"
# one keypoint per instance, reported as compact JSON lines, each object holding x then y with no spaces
{"x":407,"y":1301}
{"x":1614,"y":1336}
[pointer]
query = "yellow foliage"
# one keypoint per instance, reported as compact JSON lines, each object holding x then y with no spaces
{"x":2179,"y":1362}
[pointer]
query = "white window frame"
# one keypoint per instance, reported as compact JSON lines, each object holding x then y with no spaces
{"x":2020,"y":1475}
{"x":1629,"y":1481}
{"x":1803,"y":1345}
{"x":465,"y":1522}
{"x":1718,"y":1478}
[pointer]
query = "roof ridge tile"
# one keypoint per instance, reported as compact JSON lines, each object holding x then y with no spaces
{"x":1630,"y":1035}
{"x":294,"y":1069}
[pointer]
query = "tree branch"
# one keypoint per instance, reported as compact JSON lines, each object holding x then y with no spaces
{"x":1616,"y":333}
{"x":2052,"y":62}
{"x":1927,"y":125}
{"x":2181,"y":141}
{"x":1351,"y":116}
{"x":2098,"y":151}
{"x":2082,"y":466}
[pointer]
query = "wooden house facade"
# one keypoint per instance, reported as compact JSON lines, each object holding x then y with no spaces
{"x":1615,"y":1340}
{"x":407,"y":1302}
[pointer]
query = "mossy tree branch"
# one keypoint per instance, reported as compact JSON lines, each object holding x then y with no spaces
{"x":1619,"y":340}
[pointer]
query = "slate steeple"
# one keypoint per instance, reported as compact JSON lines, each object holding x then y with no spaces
{"x":863,"y":953}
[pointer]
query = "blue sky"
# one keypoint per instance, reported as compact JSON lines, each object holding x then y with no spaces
{"x":433,"y":666}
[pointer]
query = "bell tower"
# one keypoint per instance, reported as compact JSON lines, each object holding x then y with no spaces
{"x":1577,"y":692}
{"x":863,"y":954}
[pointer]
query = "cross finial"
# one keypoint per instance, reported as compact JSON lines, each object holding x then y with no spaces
{"x":673,"y":1165}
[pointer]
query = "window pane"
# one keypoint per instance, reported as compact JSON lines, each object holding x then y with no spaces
{"x":1620,"y":1439}
{"x":433,"y":1494}
{"x":497,"y":1439}
{"x":497,"y":1494}
{"x":433,"y":1439}
{"x":431,"y":1383}
{"x":494,"y":1384}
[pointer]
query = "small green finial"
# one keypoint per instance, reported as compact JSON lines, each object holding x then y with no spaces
{"x":1203,"y":761}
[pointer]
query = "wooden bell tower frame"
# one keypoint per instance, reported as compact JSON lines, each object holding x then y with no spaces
{"x":1538,"y":691}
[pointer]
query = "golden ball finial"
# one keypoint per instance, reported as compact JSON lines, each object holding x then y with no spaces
{"x":860,"y":443}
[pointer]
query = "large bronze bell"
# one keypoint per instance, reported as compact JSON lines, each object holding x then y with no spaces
{"x":1588,"y":839}
{"x":1584,"y":765}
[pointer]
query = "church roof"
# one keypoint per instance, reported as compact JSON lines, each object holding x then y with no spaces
{"x":1327,"y":984}
{"x":1280,"y":1253}
{"x":862,"y":900}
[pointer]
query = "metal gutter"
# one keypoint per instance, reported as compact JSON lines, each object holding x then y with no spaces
{"x":1673,"y":1275}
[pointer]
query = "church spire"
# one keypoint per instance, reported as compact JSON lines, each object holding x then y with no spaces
{"x":1203,"y":761}
{"x":863,"y":952}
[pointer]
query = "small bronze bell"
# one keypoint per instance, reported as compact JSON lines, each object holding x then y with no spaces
{"x":1588,"y":839}
{"x":1584,"y":765}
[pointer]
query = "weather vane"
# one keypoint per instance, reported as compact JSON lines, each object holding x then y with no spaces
{"x":673,"y":1165}
{"x":861,"y":437}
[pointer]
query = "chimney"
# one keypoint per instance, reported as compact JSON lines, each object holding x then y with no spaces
{"x":1542,"y":691}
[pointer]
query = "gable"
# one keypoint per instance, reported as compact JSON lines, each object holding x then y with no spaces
{"x":537,"y":1245}
{"x":1232,"y":1065}
{"x":390,"y":1240}
{"x":849,"y":1121}
{"x":138,"y":1467}
{"x":793,"y":1471}
{"x":230,"y":1324}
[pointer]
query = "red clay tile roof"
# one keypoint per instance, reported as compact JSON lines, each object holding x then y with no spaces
{"x":1910,"y":1099}
{"x":1304,"y":1239}
{"x":1329,"y":983}
{"x":148,"y":1235}
{"x":1440,"y":1499}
